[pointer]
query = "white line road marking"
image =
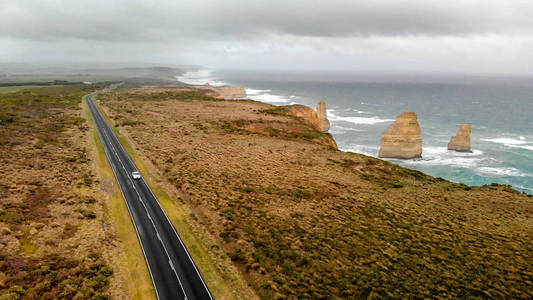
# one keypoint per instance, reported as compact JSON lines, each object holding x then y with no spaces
{"x":149,"y":217}
{"x":148,"y":214}
{"x":111,"y":139}
{"x":106,"y":148}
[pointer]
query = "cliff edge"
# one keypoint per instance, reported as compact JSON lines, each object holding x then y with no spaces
{"x":317,"y":118}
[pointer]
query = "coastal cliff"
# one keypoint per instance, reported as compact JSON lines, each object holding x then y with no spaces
{"x":285,"y":209}
{"x":402,"y":138}
{"x":461,"y":141}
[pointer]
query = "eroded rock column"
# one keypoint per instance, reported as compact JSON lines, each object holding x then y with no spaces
{"x":461,"y":141}
{"x":322,"y":116}
{"x":402,"y":138}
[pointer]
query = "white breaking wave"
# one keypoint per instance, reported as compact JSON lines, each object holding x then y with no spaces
{"x":442,"y":156}
{"x":357,"y":120}
{"x":266,"y":96}
{"x":498,"y":172}
{"x":347,"y":128}
{"x":373,"y":104}
{"x":530,"y":147}
{"x":513,"y":143}
{"x":507,"y":141}
{"x":337,"y":129}
{"x":252,"y":92}
{"x":358,"y":111}
{"x":200,"y":77}
{"x":523,"y":187}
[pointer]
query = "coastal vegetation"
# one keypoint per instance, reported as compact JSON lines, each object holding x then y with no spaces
{"x":221,"y":276}
{"x":303,"y":220}
{"x":12,"y":89}
{"x":55,"y":242}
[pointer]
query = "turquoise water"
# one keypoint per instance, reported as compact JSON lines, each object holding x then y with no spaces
{"x":361,"y":107}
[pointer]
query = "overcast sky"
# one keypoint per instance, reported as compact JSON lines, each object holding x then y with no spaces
{"x":485,"y":36}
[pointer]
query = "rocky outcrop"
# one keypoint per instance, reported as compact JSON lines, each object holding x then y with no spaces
{"x":308,"y":114}
{"x":224,"y":92}
{"x":322,"y":116}
{"x":317,"y":118}
{"x":461,"y":142}
{"x":402,"y":138}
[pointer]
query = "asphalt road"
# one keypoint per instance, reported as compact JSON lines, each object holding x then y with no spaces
{"x":173,"y":272}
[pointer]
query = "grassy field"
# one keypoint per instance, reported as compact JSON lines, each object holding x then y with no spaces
{"x":52,"y":243}
{"x":302,"y":220}
{"x":12,"y":89}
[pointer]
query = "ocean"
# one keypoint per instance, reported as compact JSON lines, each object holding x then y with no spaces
{"x":361,"y":106}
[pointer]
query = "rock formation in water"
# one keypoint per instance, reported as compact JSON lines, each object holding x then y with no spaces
{"x":402,"y":138}
{"x":322,"y":116}
{"x":224,"y":92}
{"x":461,"y":142}
{"x":317,"y":118}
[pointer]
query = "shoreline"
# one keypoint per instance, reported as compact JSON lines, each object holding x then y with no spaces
{"x":476,"y":168}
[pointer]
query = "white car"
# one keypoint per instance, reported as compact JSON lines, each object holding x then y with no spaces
{"x":136,"y":175}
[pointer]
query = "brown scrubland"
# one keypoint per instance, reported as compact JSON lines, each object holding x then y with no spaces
{"x":269,"y":200}
{"x":54,"y":239}
{"x":303,"y":220}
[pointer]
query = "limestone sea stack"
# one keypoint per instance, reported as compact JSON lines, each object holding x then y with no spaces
{"x":317,"y":118}
{"x":402,"y":138}
{"x":322,"y":116}
{"x":461,"y":142}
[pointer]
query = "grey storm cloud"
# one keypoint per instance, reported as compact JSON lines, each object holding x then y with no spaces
{"x":168,"y":20}
{"x":491,"y":36}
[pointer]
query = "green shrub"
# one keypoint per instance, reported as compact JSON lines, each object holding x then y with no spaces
{"x":88,"y":214}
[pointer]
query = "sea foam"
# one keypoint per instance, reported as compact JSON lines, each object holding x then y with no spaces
{"x":357,"y":120}
{"x":507,"y":141}
{"x":266,"y":96}
{"x":498,"y":172}
{"x":205,"y":76}
{"x":442,"y":156}
{"x":253,"y":92}
{"x":512,"y":143}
